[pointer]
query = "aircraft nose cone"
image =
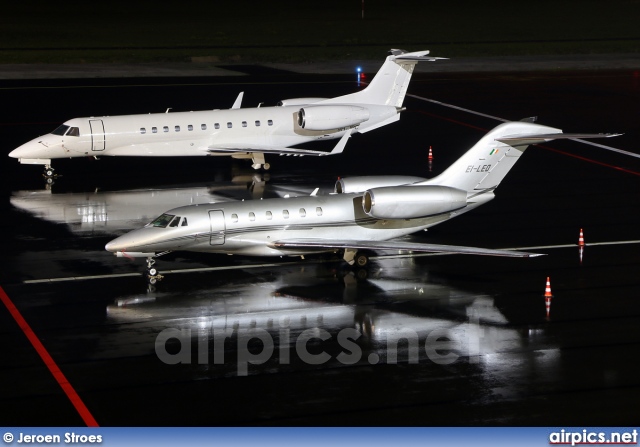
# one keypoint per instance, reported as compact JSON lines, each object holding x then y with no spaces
{"x":32,"y":149}
{"x":120,"y":244}
{"x":19,"y":152}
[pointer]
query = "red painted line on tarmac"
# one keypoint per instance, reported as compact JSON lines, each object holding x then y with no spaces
{"x":81,"y":408}
{"x":579,"y":157}
{"x":433,"y":115}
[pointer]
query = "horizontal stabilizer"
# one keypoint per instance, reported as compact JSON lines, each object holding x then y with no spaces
{"x":399,"y":245}
{"x":418,"y":56}
{"x":518,"y":140}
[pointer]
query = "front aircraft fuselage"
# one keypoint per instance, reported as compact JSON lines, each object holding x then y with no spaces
{"x":251,"y":227}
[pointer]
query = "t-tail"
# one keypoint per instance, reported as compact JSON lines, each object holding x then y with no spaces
{"x":389,"y":85}
{"x":486,"y":164}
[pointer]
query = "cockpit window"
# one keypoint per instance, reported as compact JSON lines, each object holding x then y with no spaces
{"x":162,"y":221}
{"x":175,"y":221}
{"x":60,"y":130}
{"x":73,"y":132}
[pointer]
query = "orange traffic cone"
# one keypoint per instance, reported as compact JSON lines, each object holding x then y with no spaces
{"x":430,"y":154}
{"x":547,"y":297}
{"x":581,"y":239}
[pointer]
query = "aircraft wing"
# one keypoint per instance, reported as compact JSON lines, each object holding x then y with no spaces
{"x":398,"y":245}
{"x":249,"y":148}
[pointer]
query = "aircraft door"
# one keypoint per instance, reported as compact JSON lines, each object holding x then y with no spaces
{"x":216,"y":218}
{"x":97,"y":135}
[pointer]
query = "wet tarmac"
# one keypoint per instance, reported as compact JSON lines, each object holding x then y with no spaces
{"x":412,"y":340}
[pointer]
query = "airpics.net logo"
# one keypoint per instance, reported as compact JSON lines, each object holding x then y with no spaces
{"x":257,"y":346}
{"x":590,"y":437}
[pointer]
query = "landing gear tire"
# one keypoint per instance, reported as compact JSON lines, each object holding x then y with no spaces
{"x":49,"y":174}
{"x":152,"y":274}
{"x":266,"y":166}
{"x":361,"y":260}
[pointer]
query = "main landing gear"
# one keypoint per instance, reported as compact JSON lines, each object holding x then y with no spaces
{"x":258,"y":161}
{"x":356,"y":258}
{"x":152,"y":275}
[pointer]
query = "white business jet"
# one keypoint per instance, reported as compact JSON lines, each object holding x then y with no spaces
{"x":364,"y":213}
{"x":240,"y":133}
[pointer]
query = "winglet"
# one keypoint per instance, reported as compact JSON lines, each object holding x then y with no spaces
{"x":236,"y":105}
{"x":342,"y":143}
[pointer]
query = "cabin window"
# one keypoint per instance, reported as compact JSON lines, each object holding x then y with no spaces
{"x":234,"y":218}
{"x":165,"y":129}
{"x":189,"y":127}
{"x":154,"y":129}
{"x":269,"y":215}
{"x":270,"y":122}
{"x":177,"y":128}
{"x":252,"y":216}
{"x":285,"y":214}
{"x":162,"y":221}
{"x":244,"y":124}
{"x":303,"y":212}
{"x":184,"y":222}
{"x":229,"y":125}
{"x":203,"y":126}
{"x":318,"y":211}
{"x":73,"y":132}
{"x":175,"y":221}
{"x":143,"y":130}
{"x":217,"y":125}
{"x":257,"y":123}
{"x":60,"y":130}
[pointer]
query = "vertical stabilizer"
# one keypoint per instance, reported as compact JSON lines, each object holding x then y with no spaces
{"x":389,"y":85}
{"x":484,"y":166}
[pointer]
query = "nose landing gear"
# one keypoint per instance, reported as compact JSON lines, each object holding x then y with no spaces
{"x":152,"y":275}
{"x":49,"y":174}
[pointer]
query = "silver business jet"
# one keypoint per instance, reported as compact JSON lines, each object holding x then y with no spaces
{"x":364,"y":213}
{"x":240,"y":133}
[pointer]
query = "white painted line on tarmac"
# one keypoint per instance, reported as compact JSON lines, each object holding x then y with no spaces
{"x":497,"y":118}
{"x":281,"y":264}
{"x":451,"y":106}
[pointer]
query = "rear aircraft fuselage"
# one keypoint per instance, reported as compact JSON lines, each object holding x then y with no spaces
{"x":175,"y":134}
{"x":237,"y":132}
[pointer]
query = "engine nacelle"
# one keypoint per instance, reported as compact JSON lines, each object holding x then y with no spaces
{"x":360,"y":184}
{"x":409,"y":202}
{"x":331,"y":117}
{"x":299,"y":101}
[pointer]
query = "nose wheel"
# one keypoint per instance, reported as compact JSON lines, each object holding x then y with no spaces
{"x":152,"y":275}
{"x":49,"y":174}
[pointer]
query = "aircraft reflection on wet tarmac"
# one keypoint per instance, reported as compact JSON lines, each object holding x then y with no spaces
{"x":314,"y":315}
{"x":114,"y":212}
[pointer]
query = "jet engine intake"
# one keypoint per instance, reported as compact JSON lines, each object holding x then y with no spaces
{"x":331,"y":117}
{"x":409,"y":202}
{"x":298,"y":101}
{"x":360,"y":184}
